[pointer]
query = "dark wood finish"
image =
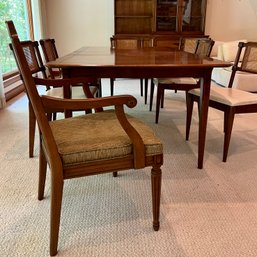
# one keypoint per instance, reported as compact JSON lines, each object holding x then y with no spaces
{"x":248,"y":64}
{"x":170,"y":19}
{"x":201,"y":47}
{"x":48,"y":147}
{"x":144,"y":63}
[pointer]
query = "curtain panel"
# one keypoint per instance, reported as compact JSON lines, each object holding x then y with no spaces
{"x":2,"y":96}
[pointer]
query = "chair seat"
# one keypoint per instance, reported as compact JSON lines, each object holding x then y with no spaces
{"x":229,"y":96}
{"x":77,"y":92}
{"x":185,"y":80}
{"x":111,"y":142}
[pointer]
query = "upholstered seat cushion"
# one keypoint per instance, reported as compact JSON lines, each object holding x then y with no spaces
{"x":191,"y":81}
{"x":99,"y":136}
{"x":229,"y":96}
{"x":77,"y":92}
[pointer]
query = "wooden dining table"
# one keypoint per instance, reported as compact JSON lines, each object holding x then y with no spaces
{"x":105,"y":62}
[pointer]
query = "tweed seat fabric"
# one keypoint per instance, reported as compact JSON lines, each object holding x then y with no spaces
{"x":229,"y":96}
{"x":112,"y":141}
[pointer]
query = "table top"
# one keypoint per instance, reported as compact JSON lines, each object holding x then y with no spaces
{"x":145,"y":57}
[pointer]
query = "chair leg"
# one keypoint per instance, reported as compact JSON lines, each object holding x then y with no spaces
{"x":158,"y":100}
{"x":55,"y":215}
{"x":141,"y":87}
{"x":162,"y":99}
{"x":189,"y":105}
{"x":151,"y":95}
{"x":112,"y":86}
{"x":42,"y":173}
{"x":32,"y":130}
{"x":156,"y":175}
{"x":146,"y":90}
{"x":99,"y":91}
{"x":228,"y":125}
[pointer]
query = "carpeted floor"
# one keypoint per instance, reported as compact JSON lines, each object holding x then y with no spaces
{"x":208,"y":212}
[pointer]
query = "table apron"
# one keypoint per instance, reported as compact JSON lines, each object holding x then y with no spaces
{"x":135,"y":72}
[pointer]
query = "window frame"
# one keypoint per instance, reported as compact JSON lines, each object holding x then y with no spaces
{"x":13,"y":84}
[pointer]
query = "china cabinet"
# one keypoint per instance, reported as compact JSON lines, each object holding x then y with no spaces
{"x":164,"y":21}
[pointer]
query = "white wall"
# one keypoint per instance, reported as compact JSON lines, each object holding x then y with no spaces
{"x":75,"y":23}
{"x":231,"y":19}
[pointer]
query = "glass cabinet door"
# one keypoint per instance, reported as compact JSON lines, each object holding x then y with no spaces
{"x":180,"y":15}
{"x":193,"y":15}
{"x":166,"y":15}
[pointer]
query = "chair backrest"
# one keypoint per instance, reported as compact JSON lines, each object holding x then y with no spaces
{"x":189,"y":44}
{"x":129,"y":43}
{"x":204,"y":47}
{"x":49,"y":49}
{"x":50,"y":54}
{"x":166,"y":42}
{"x":247,"y":52}
{"x":32,"y":92}
{"x":33,"y":57}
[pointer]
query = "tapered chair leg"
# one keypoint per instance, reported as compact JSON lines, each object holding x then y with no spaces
{"x":189,"y":105}
{"x":112,"y":86}
{"x":151,"y":95}
{"x":42,"y":173}
{"x":55,"y":215}
{"x":32,"y":130}
{"x":158,"y":102}
{"x":146,"y":90}
{"x":228,"y":125}
{"x":141,"y":87}
{"x":156,"y":175}
{"x":162,"y":99}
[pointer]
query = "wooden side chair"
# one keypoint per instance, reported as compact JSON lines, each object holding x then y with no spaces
{"x":37,"y":68}
{"x":200,"y":47}
{"x":100,"y":142}
{"x":50,"y":54}
{"x":131,"y":43}
{"x":228,"y":99}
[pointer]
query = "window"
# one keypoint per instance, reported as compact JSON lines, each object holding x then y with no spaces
{"x":19,"y":12}
{"x":16,"y":11}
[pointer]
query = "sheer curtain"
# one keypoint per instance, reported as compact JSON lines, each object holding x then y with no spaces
{"x":38,"y":12}
{"x":2,"y":97}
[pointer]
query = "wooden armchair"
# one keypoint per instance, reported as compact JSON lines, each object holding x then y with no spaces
{"x":228,"y":99}
{"x":50,"y":54}
{"x":200,"y":47}
{"x":37,"y":68}
{"x":100,"y":142}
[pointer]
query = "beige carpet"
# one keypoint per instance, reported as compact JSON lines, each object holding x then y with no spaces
{"x":208,"y":212}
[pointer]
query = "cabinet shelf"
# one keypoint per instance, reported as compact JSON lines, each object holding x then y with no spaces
{"x":135,"y":16}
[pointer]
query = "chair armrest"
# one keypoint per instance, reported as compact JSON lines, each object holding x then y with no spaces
{"x":52,"y":103}
{"x":118,"y":102}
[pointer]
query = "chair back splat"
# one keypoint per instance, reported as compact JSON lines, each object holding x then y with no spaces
{"x":100,"y":142}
